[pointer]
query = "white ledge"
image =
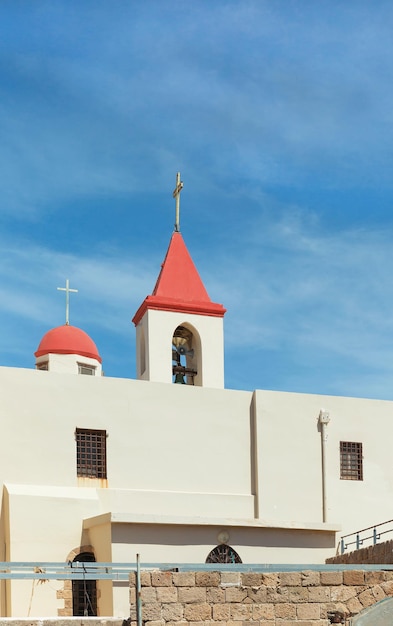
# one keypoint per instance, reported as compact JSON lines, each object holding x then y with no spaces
{"x":127,"y":518}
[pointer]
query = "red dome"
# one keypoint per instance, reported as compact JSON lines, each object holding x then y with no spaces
{"x":68,"y":340}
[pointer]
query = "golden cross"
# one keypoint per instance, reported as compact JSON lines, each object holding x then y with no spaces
{"x":176,"y":194}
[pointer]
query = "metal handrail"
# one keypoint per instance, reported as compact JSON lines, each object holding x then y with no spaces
{"x":359,"y":541}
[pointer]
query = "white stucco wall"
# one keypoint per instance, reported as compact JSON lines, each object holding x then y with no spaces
{"x":213,"y":457}
{"x":290,"y":464}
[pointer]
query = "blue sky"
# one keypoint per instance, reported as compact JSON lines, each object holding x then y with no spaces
{"x":279,"y":115}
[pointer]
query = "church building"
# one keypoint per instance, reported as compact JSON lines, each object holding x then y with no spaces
{"x":172,"y":465}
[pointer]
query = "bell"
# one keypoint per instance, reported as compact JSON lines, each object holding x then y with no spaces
{"x":179,"y":379}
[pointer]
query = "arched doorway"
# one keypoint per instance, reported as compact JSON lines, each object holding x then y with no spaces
{"x":84,"y":592}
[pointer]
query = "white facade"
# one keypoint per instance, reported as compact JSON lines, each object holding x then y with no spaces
{"x":186,"y":465}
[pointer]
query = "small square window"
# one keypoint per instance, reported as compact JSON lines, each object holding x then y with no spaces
{"x":351,"y":460}
{"x":42,"y":366}
{"x":90,"y":453}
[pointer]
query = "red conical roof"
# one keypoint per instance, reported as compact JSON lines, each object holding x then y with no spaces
{"x":68,"y":340}
{"x":179,"y":287}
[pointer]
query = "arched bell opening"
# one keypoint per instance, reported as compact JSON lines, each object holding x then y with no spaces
{"x":185,"y":350}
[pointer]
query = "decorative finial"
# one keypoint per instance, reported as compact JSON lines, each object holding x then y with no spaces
{"x":67,"y":290}
{"x":176,"y":194}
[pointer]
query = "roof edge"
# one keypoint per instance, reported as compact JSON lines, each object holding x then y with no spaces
{"x":89,"y":355}
{"x":210,"y":309}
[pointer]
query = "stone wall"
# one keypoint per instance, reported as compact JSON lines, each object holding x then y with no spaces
{"x":378,"y":554}
{"x":307,"y":598}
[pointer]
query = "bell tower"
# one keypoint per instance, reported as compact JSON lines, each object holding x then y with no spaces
{"x":179,"y":330}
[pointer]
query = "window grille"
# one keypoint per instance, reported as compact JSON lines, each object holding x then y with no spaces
{"x":89,"y":370}
{"x":91,"y":453}
{"x":351,"y":460}
{"x":223,"y":554}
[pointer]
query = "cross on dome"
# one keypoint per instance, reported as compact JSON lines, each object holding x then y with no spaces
{"x":68,"y":291}
{"x":176,"y":195}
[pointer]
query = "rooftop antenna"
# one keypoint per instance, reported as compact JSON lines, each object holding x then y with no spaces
{"x":68,"y":291}
{"x":176,"y":195}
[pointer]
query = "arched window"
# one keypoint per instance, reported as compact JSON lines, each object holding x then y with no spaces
{"x":84,"y":592}
{"x":223,"y":554}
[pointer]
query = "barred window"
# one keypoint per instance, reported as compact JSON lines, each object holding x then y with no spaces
{"x":223,"y":554}
{"x":351,"y":460}
{"x":90,"y":453}
{"x":89,"y":370}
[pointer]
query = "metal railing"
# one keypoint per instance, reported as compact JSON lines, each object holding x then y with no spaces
{"x":40,"y":570}
{"x":374,"y":534}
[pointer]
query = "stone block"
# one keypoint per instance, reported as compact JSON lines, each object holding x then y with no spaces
{"x":354,"y":606}
{"x":342,"y":594}
{"x":158,"y":622}
{"x":197,"y":612}
{"x":280,"y":594}
{"x":190,"y":595}
{"x":270,"y":580}
{"x":166,"y":594}
{"x":230,"y":578}
{"x":251,"y":579}
{"x":285,"y":611}
{"x":331,"y":578}
{"x":207,"y":579}
{"x":331,"y":607}
{"x":132,"y":595}
{"x":148,"y":594}
{"x":215,"y":595}
{"x":133,"y":614}
{"x":235,"y":594}
{"x":366,"y":598}
{"x":221,"y":612}
{"x":297,"y":594}
{"x":257,"y":595}
{"x":161,"y":579}
{"x":241,"y":612}
{"x":374,"y":578}
{"x":172,"y":612}
{"x":151,"y":611}
{"x":145,"y":579}
{"x":290,"y":579}
{"x":378,"y":593}
{"x":303,"y":623}
{"x":183,"y":579}
{"x":353,"y":577}
{"x":388,"y":587}
{"x":263,"y":611}
{"x":318,"y":594}
{"x":308,"y":611}
{"x":311,"y":579}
